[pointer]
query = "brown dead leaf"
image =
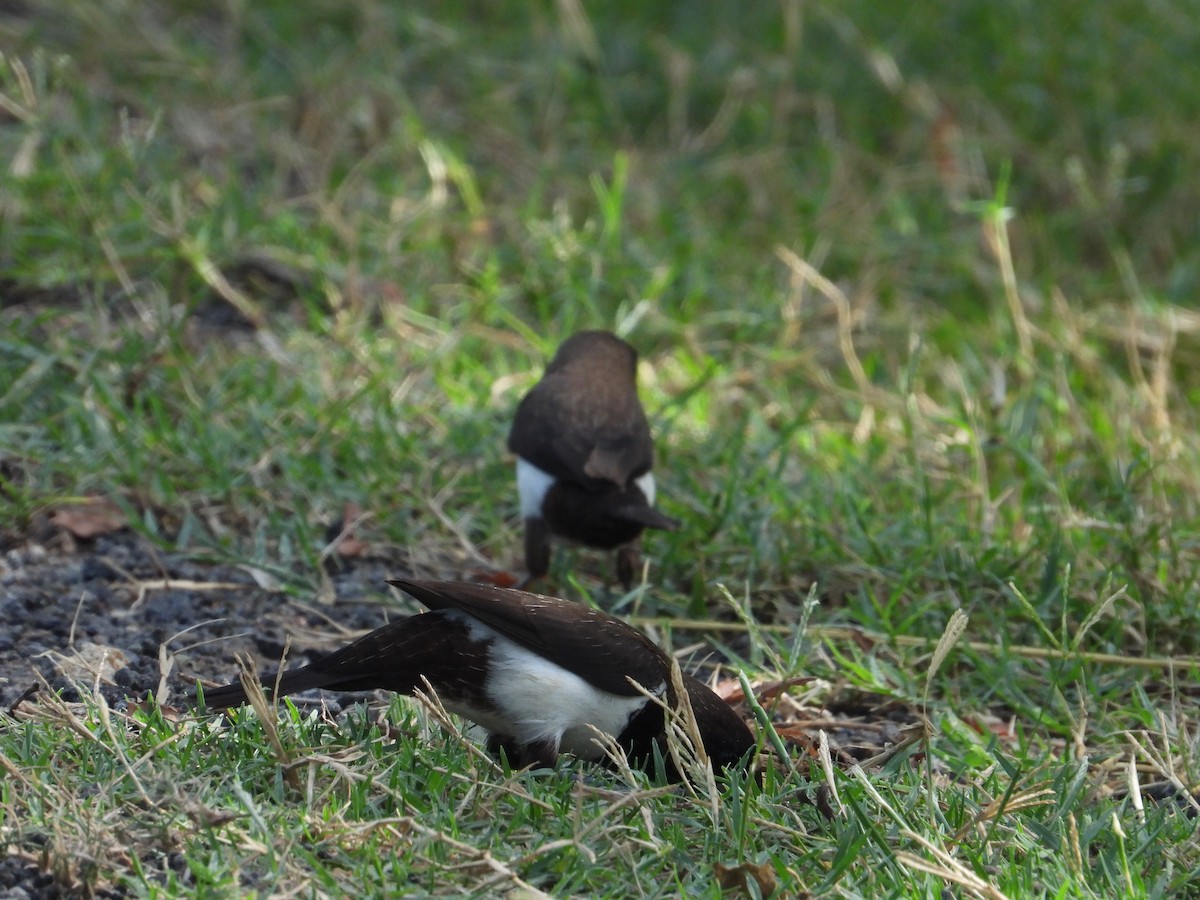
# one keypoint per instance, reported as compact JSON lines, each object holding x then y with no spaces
{"x":169,"y":712}
{"x":986,"y":723}
{"x":352,"y":547}
{"x":861,"y":638}
{"x":732,"y":878}
{"x":90,"y":519}
{"x":89,"y":662}
{"x":498,"y":579}
{"x":799,"y":736}
{"x":731,"y":690}
{"x":342,"y":537}
{"x":947,"y":146}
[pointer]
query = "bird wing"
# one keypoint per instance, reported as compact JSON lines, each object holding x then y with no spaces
{"x":392,"y":657}
{"x":598,"y":439}
{"x":600,"y":649}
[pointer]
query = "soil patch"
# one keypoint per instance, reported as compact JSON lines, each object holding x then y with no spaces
{"x":111,"y":612}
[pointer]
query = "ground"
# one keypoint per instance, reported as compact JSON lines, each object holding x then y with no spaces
{"x":916,"y":320}
{"x":119,"y":601}
{"x":117,"y":616}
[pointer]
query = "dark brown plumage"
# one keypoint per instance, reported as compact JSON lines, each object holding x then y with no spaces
{"x":584,"y":454}
{"x":534,"y":671}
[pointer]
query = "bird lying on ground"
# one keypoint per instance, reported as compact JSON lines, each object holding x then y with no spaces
{"x":537,"y":672}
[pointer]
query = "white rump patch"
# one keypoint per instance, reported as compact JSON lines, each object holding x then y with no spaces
{"x":532,"y":484}
{"x":646,"y":483}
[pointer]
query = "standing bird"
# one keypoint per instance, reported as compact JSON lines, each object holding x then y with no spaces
{"x":584,"y":455}
{"x":537,"y":672}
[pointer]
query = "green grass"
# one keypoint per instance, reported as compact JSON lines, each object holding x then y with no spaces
{"x":914,"y":296}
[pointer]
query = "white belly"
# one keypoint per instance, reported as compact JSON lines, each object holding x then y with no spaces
{"x":537,"y":700}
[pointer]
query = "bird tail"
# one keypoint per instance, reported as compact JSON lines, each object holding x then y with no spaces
{"x":391,"y":658}
{"x":234,"y":693}
{"x":221,"y":697}
{"x":647,"y":516}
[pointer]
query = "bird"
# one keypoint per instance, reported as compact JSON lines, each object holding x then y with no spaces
{"x":585,"y":454}
{"x":538,"y":673}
